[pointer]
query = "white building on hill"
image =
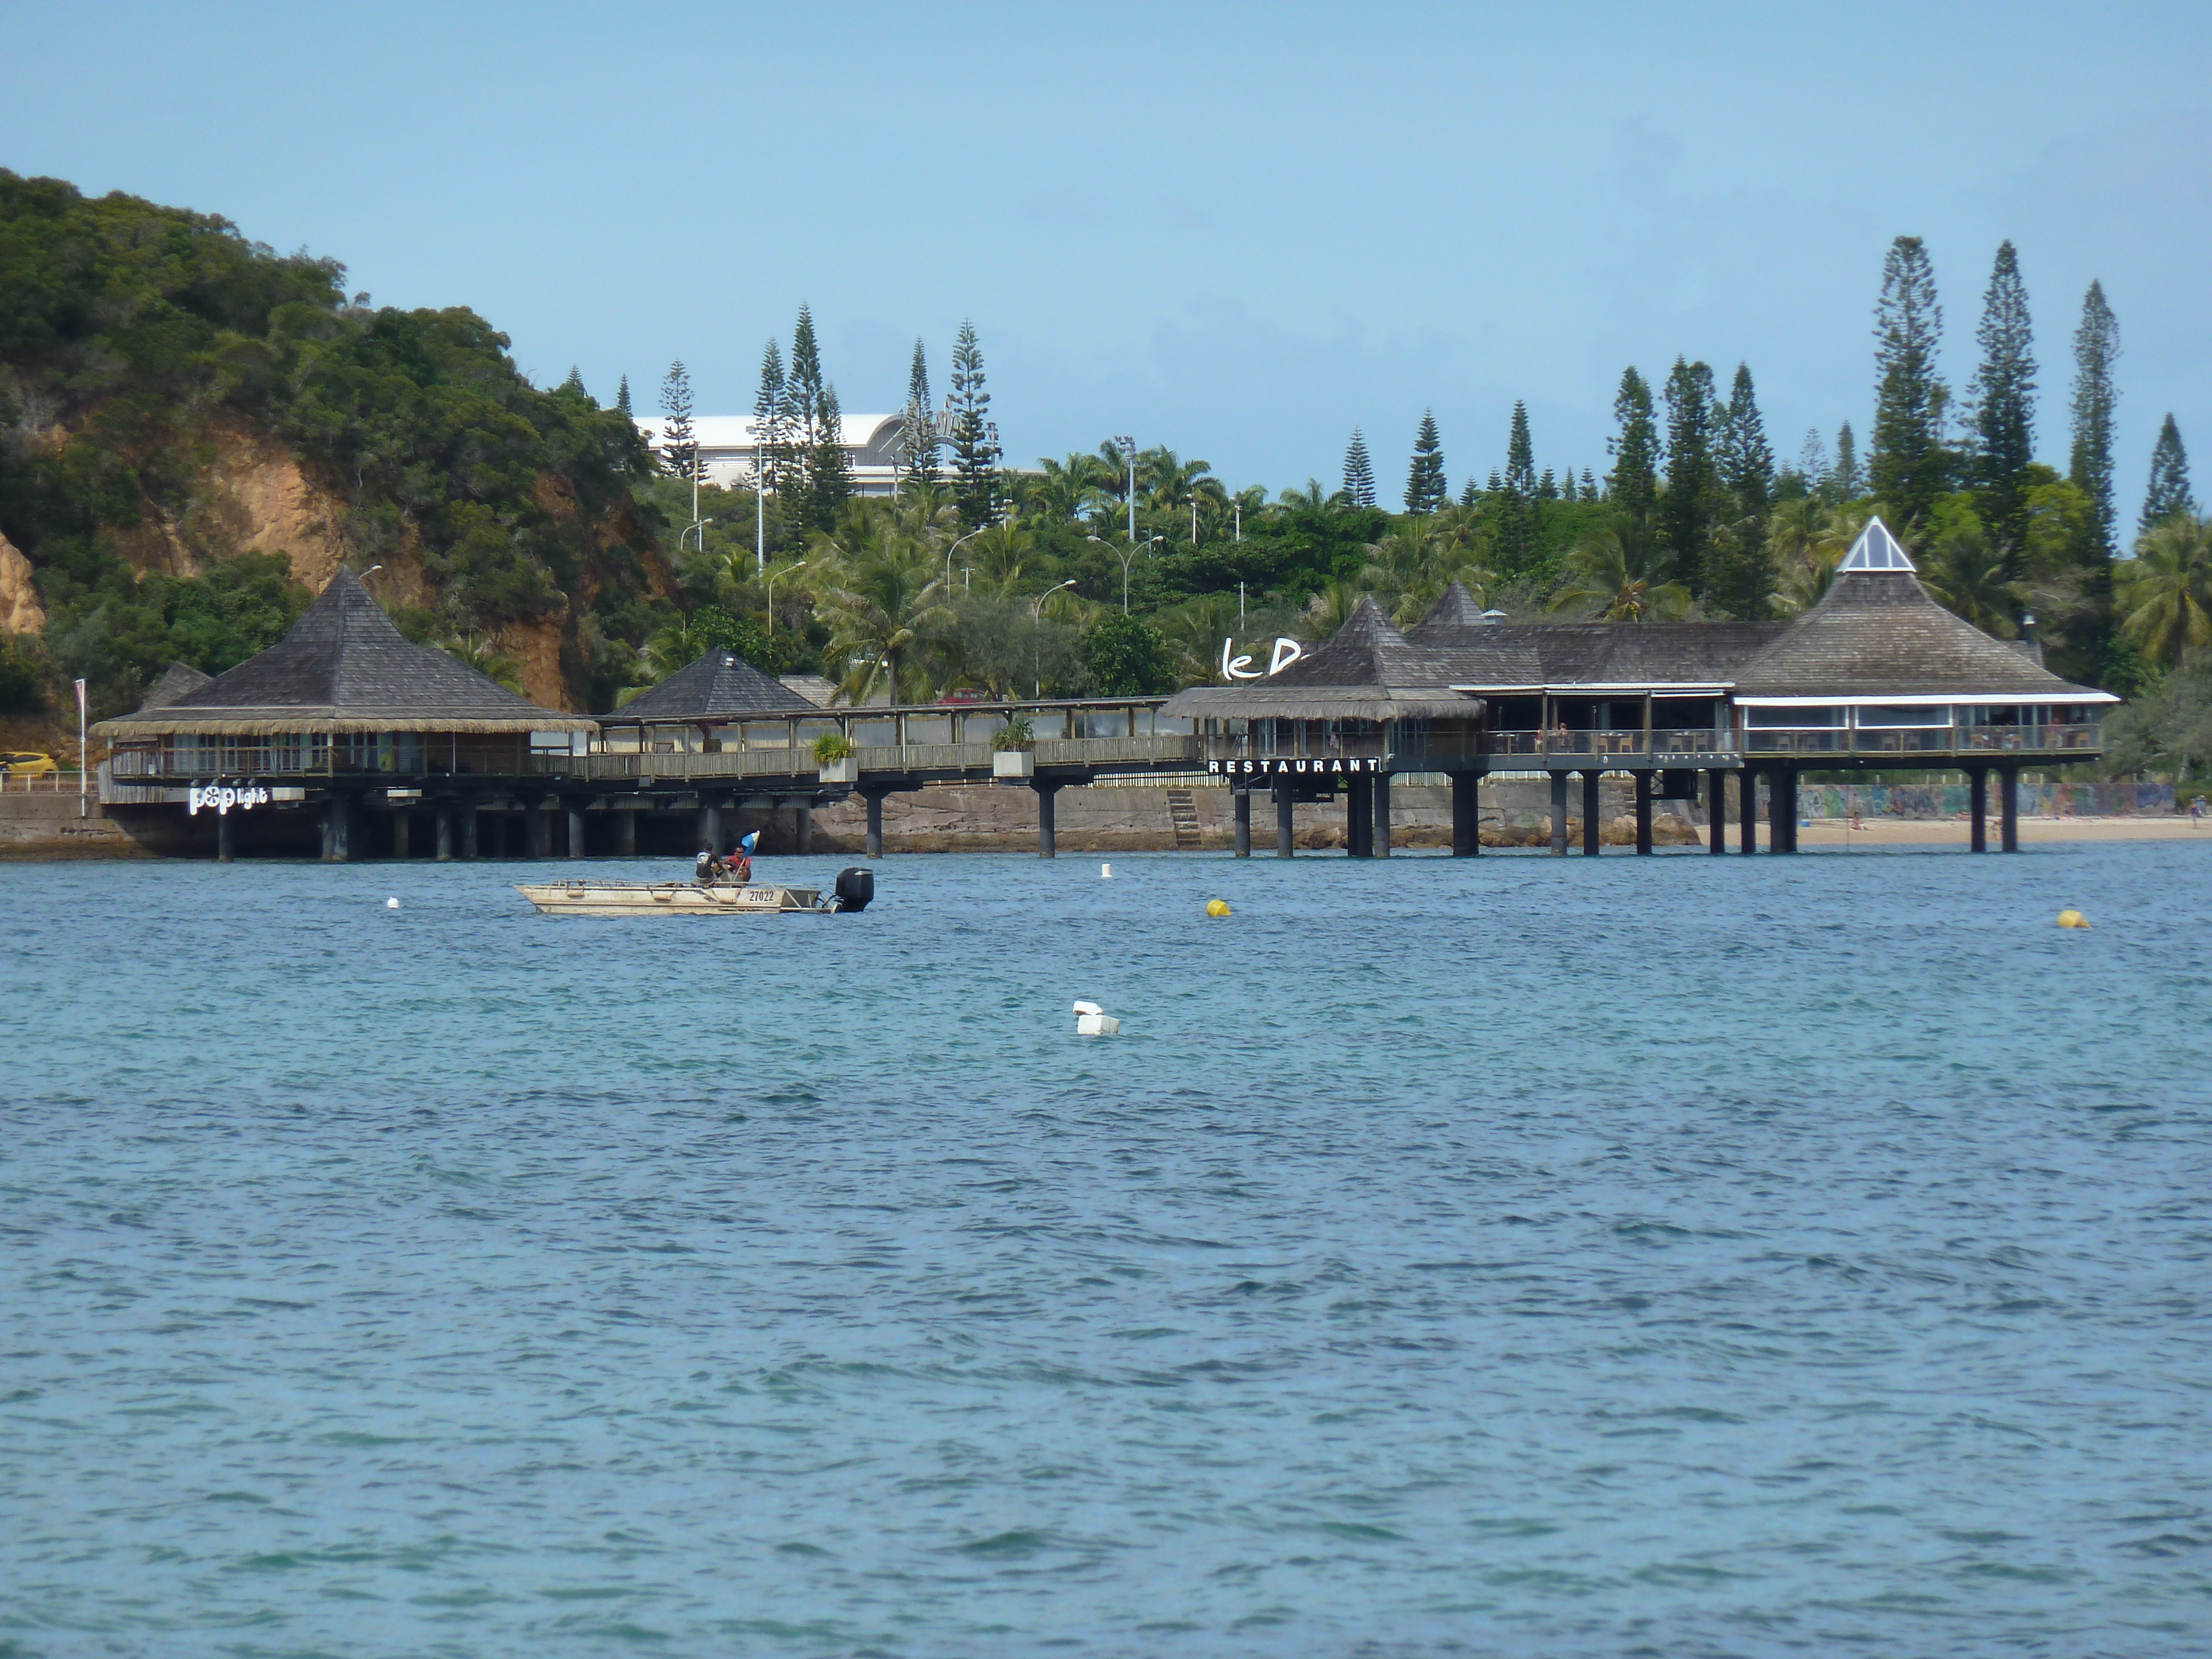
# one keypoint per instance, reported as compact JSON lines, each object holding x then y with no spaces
{"x":727,"y":445}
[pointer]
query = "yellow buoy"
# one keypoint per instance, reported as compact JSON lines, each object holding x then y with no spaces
{"x":1217,"y":906}
{"x":2072,"y":918}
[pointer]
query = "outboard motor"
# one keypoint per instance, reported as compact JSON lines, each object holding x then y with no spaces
{"x":855,"y":887}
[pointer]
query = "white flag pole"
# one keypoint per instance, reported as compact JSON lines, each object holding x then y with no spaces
{"x":81,"y":712}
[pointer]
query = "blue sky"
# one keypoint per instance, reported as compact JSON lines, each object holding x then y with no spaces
{"x":1238,"y":230}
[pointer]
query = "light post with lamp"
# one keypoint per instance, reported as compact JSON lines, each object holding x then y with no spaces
{"x":699,"y":525}
{"x":954,"y":548}
{"x":771,"y":578}
{"x":1135,"y":548}
{"x":1129,"y":454}
{"x":1036,"y":621}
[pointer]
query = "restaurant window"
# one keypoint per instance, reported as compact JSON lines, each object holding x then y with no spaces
{"x":1796,"y":720}
{"x":1885,"y":716}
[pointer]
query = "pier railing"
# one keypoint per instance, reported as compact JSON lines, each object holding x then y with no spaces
{"x":1633,"y":741}
{"x":1165,"y":749}
{"x":1972,"y":742}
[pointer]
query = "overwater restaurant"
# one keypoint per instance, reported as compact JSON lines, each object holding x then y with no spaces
{"x":382,"y":730}
{"x":1875,"y":675}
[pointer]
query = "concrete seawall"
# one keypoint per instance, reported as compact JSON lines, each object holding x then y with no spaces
{"x":40,"y":825}
{"x":1122,"y":819}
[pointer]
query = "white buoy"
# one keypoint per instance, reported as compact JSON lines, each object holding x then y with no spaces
{"x":1105,"y":872}
{"x":391,"y":904}
{"x":1092,"y":1020}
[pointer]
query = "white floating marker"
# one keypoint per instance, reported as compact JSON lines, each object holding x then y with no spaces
{"x":1105,"y":872}
{"x":391,"y":904}
{"x":1092,"y":1020}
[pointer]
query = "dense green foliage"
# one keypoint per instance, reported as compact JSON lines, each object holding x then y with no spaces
{"x":135,"y":340}
{"x":134,"y":337}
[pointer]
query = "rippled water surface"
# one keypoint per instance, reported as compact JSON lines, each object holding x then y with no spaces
{"x":1674,"y":1256}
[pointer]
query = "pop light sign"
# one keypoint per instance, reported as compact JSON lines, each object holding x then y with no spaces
{"x":222,"y":798}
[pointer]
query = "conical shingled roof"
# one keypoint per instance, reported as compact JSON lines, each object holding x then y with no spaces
{"x":1458,"y":609}
{"x":344,"y":667}
{"x":719,"y":686}
{"x":1369,"y":672}
{"x":1876,"y":633}
{"x":178,"y":679}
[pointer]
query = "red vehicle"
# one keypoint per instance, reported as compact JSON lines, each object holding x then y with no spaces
{"x":966,"y":694}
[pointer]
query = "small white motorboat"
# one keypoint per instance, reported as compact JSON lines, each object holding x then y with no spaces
{"x":586,"y":897}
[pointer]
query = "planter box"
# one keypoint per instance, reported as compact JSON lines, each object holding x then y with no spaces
{"x":847,"y":770}
{"x":1013,"y":764}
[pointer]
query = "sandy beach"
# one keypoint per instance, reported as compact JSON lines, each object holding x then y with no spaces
{"x":1942,"y":832}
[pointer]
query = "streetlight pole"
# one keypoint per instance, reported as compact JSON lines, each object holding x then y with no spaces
{"x":770,"y":579}
{"x":954,"y":548}
{"x":1129,"y":454}
{"x":1036,"y":616}
{"x":1125,"y":558}
{"x":697,"y":524}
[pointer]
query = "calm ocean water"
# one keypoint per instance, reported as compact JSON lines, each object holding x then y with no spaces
{"x":1678,"y":1257}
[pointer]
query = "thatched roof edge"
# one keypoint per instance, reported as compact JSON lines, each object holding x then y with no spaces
{"x":162,"y":722}
{"x":1315,"y":703}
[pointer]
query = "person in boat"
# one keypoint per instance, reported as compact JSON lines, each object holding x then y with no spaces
{"x":706,"y":867}
{"x":741,"y":859}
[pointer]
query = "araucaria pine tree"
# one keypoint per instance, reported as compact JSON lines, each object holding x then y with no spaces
{"x":976,"y":487}
{"x":2096,"y":399}
{"x":2004,"y":403}
{"x":917,"y":428}
{"x":621,"y":396}
{"x":1632,"y":486}
{"x":802,"y":424}
{"x":1738,"y":575}
{"x":1426,"y":489}
{"x":771,"y":442}
{"x":1743,"y":459}
{"x":1520,"y":453}
{"x":1686,"y":511}
{"x":575,"y":382}
{"x":1910,"y":467}
{"x":2169,"y":479}
{"x":1517,"y":496}
{"x":679,"y":445}
{"x":1849,"y":480}
{"x":1359,"y":471}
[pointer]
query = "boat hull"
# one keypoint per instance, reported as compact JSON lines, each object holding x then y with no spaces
{"x":673,"y":898}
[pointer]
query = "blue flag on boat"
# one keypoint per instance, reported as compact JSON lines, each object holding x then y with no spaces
{"x":745,"y":844}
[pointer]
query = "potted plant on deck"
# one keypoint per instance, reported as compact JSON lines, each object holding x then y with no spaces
{"x":834,"y":756}
{"x":1013,"y":750}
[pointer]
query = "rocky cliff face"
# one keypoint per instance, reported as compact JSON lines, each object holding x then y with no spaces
{"x":20,"y":609}
{"x":252,"y":494}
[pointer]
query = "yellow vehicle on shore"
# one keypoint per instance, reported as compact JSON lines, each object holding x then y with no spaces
{"x":22,"y":763}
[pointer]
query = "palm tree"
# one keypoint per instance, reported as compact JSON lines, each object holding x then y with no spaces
{"x":2165,"y":592}
{"x":1195,"y":631}
{"x":878,"y":584}
{"x":1330,"y":608}
{"x":1068,"y":489}
{"x":1806,"y":540}
{"x":1967,"y":577}
{"x":1616,"y":570}
{"x":1315,"y":497}
{"x":485,"y":656}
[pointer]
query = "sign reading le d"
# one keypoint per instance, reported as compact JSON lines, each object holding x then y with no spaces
{"x":1286,"y":653}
